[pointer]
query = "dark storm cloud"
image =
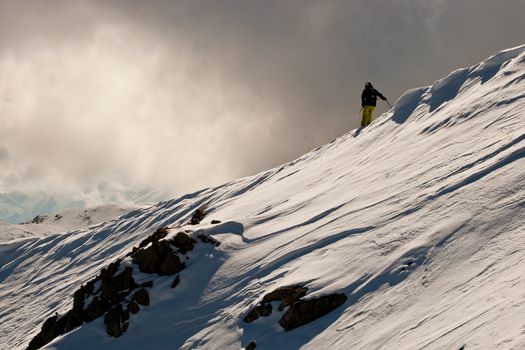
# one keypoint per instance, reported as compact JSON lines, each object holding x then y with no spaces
{"x":216,"y":88}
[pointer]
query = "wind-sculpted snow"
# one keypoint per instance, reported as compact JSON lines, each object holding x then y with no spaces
{"x":407,"y":103}
{"x":418,"y":220}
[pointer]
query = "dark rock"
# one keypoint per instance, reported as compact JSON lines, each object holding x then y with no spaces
{"x":251,"y":346}
{"x":203,"y":238}
{"x":148,"y":284}
{"x":208,"y":239}
{"x":125,"y":326}
{"x":94,"y":310}
{"x":79,"y":299}
{"x":72,"y":319}
{"x":304,"y":311}
{"x":115,"y":289}
{"x":198,"y":216}
{"x":133,"y":307}
{"x":109,"y":271}
{"x":171,"y":265}
{"x":63,"y":324}
{"x":36,"y":343}
{"x":48,"y":329}
{"x":175,"y":282}
{"x":90,"y":287}
{"x":141,"y":297}
{"x":288,"y":292}
{"x":125,"y":315}
{"x":134,"y":250}
{"x":113,"y":321}
{"x":38,"y":220}
{"x":148,"y":260}
{"x":158,"y":258}
{"x":51,"y":328}
{"x":55,"y":326}
{"x":155,"y":237}
{"x":287,"y":295}
{"x":183,"y":242}
{"x":215,"y":222}
{"x":261,"y":309}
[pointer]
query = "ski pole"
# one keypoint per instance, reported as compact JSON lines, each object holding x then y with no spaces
{"x":388,"y":103}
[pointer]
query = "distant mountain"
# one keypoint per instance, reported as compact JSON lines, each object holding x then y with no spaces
{"x":18,"y":207}
{"x":67,"y":220}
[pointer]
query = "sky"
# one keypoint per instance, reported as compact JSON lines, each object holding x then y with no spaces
{"x":99,"y":96}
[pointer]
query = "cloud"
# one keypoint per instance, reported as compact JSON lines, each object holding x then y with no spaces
{"x":3,"y":154}
{"x":178,"y":95}
{"x":108,"y":110}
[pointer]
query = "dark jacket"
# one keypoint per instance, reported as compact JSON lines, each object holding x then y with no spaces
{"x":369,"y":97}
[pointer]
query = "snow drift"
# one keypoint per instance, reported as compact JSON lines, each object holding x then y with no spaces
{"x":418,"y":220}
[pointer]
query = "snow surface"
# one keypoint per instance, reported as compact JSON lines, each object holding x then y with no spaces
{"x":418,"y":219}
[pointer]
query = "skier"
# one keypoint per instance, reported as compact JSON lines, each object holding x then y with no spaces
{"x":368,"y":102}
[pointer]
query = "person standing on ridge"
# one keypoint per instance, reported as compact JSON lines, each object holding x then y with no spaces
{"x":368,"y":102}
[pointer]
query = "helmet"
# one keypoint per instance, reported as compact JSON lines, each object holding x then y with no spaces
{"x":368,"y":84}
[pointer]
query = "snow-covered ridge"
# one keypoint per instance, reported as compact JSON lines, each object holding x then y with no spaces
{"x":68,"y":220}
{"x":18,"y":207}
{"x":418,"y":220}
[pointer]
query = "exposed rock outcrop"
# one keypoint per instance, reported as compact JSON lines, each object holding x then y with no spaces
{"x":47,"y":333}
{"x":114,"y":320}
{"x":198,"y":216}
{"x":261,"y":309}
{"x":175,"y":282}
{"x":251,"y":346}
{"x":208,"y":239}
{"x":183,"y":242}
{"x":304,"y":311}
{"x":159,"y":234}
{"x":114,"y":293}
{"x":133,"y":307}
{"x":94,"y":310}
{"x":158,"y":258}
{"x":141,"y":297}
{"x":114,"y":289}
{"x":287,"y":295}
{"x":106,"y":299}
{"x":299,"y":311}
{"x":39,"y":219}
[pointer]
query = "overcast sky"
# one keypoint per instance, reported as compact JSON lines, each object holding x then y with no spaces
{"x":180,"y":95}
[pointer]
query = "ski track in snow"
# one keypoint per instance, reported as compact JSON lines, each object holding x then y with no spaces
{"x":418,"y":219}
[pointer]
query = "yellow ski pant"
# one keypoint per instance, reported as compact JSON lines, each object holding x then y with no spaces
{"x":367,"y":115}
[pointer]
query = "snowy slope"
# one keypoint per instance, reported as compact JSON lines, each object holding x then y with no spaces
{"x":70,"y":219}
{"x":418,"y":219}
